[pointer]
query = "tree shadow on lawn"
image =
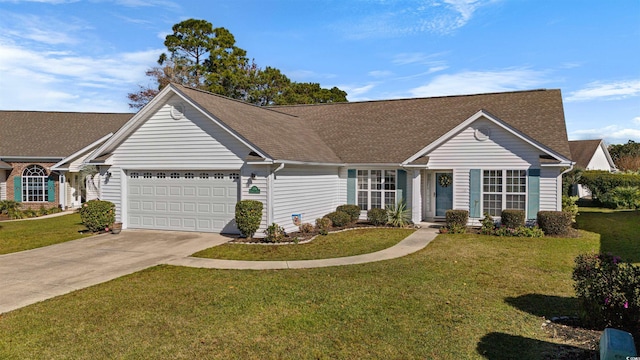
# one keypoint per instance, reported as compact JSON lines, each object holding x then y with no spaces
{"x":497,"y":346}
{"x":545,"y":305}
{"x":619,"y":232}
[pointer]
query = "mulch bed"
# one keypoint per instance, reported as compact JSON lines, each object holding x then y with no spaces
{"x":306,"y":237}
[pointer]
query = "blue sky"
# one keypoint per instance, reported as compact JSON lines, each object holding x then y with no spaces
{"x":77,"y":55}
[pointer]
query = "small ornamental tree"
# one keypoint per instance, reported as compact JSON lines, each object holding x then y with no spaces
{"x":98,"y":215}
{"x":248,"y":216}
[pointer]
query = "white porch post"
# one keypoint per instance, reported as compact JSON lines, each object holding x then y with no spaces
{"x":62,"y":191}
{"x":416,"y":197}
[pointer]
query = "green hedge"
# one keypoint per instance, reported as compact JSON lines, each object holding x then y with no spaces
{"x":512,"y":218}
{"x":98,"y":215}
{"x":602,"y":182}
{"x":457,"y":217}
{"x":352,"y":210}
{"x":377,"y":216}
{"x":339,"y":218}
{"x":554,"y":222}
{"x":248,"y":216}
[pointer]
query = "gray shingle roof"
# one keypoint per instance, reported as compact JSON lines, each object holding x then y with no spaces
{"x":53,"y":134}
{"x":391,"y":131}
{"x":281,"y":136}
{"x":582,"y":151}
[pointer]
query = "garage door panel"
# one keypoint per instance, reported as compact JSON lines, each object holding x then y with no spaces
{"x":183,"y":201}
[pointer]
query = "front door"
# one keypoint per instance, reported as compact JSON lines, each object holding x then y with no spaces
{"x":444,"y":193}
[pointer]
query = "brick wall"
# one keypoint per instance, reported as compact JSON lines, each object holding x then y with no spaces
{"x":18,"y":168}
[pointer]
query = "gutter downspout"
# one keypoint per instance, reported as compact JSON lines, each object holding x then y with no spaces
{"x":559,"y":205}
{"x":270,"y":194}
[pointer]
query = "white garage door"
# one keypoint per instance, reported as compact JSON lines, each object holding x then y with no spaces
{"x":183,"y":200}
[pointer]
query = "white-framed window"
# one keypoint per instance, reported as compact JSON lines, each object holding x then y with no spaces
{"x":34,"y":184}
{"x":503,"y":189}
{"x":376,"y":188}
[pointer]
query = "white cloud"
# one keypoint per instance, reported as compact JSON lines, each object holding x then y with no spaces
{"x":357,"y":92}
{"x":612,"y":134}
{"x":380,"y":73}
{"x":41,"y":30}
{"x":636,"y":120}
{"x":473,"y":82}
{"x":62,"y":80}
{"x":606,"y":91}
{"x":393,"y":19}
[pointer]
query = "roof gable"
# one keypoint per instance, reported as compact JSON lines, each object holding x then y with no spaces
{"x":582,"y":151}
{"x":269,"y":133}
{"x":392,"y":131}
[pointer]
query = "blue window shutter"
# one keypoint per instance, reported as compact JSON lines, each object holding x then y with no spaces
{"x":51,"y":190}
{"x":475,"y":192}
{"x":17,"y":188}
{"x":351,"y":186}
{"x":401,"y":186}
{"x":533,"y":194}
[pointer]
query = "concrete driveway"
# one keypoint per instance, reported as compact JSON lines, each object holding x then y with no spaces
{"x":31,"y":276}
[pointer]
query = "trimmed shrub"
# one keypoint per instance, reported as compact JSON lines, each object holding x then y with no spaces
{"x":305,"y":228}
{"x":520,"y":231}
{"x":248,"y":216}
{"x":274,"y":233}
{"x":352,"y":210}
{"x":323,"y":225}
{"x":339,"y":218}
{"x":569,"y":205}
{"x":398,"y":215}
{"x":608,"y":291}
{"x":554,"y":222}
{"x":457,"y":218}
{"x":488,"y":225}
{"x":512,"y":218}
{"x":98,"y":215}
{"x":377,"y":216}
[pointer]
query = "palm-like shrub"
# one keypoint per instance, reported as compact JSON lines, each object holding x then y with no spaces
{"x":398,"y":214}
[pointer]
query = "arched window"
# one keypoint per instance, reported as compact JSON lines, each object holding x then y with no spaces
{"x":34,"y":184}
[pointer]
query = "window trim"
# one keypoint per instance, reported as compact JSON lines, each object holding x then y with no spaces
{"x":31,"y":181}
{"x":504,"y":186}
{"x":383,"y":191}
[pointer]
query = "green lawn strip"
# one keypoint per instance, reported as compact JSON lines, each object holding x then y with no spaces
{"x":346,"y":243}
{"x":30,"y":234}
{"x":462,"y":297}
{"x":620,"y":231}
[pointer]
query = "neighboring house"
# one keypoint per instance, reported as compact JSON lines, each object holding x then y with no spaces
{"x":184,"y":160}
{"x":590,"y":155}
{"x":41,"y":154}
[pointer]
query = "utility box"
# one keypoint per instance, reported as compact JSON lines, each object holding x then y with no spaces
{"x":616,"y":345}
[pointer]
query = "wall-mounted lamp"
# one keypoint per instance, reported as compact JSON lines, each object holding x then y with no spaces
{"x":253,"y":176}
{"x":108,"y":174}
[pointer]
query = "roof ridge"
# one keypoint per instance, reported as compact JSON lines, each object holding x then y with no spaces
{"x":235,"y":100}
{"x":414,"y":98}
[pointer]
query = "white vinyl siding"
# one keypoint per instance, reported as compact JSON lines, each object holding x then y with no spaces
{"x":3,"y":185}
{"x":599,"y":161}
{"x":550,"y":192}
{"x":261,"y":182}
{"x":463,"y":152}
{"x":193,"y":142}
{"x":310,"y":191}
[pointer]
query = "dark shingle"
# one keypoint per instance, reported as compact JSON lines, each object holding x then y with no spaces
{"x":53,"y":134}
{"x":582,"y":151}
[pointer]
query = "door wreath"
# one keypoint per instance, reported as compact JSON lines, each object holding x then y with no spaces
{"x":444,"y":180}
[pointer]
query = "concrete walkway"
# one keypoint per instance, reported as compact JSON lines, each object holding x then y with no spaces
{"x":35,"y":275}
{"x":414,"y":242}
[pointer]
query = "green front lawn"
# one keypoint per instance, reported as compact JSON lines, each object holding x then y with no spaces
{"x":619,"y":231}
{"x":462,"y":297}
{"x":346,"y":243}
{"x":29,"y":234}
